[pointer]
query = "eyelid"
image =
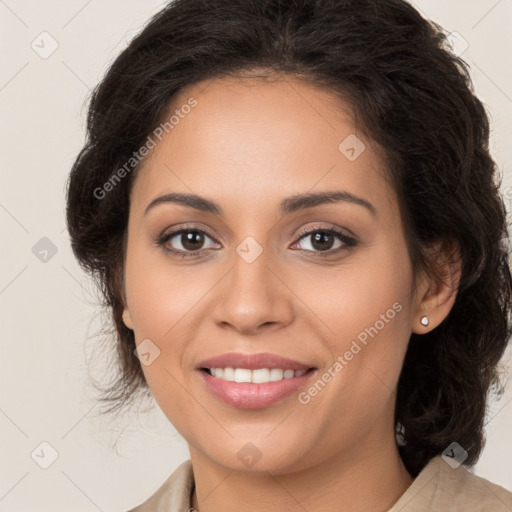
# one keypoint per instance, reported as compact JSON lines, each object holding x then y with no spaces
{"x":317,"y":227}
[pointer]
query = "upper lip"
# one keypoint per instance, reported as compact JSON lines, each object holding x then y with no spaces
{"x":252,"y":362}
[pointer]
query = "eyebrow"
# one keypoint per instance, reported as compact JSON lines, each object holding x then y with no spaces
{"x":289,"y":205}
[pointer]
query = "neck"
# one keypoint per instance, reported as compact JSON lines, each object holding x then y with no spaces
{"x":354,"y":482}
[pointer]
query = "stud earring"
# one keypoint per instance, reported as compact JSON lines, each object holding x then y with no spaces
{"x":424,"y":320}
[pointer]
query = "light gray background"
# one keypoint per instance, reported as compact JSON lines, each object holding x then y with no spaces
{"x":48,"y":308}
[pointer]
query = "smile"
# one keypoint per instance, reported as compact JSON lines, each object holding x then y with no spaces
{"x":258,"y":376}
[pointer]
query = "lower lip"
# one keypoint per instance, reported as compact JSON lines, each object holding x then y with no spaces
{"x":247,"y":395}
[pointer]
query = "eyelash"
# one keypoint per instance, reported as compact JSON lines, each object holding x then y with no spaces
{"x":348,"y":241}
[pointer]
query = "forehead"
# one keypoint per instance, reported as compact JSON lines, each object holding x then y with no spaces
{"x":249,"y":142}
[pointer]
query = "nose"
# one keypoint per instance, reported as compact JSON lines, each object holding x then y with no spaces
{"x":253,"y":297}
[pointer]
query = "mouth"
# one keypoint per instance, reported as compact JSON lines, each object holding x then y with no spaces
{"x":263,"y":360}
{"x":253,"y":381}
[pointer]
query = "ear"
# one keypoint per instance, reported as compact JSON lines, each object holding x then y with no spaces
{"x":121,"y":287}
{"x":127,"y":319}
{"x":436,"y":294}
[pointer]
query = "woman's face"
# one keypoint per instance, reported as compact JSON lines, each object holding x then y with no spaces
{"x":340,"y":304}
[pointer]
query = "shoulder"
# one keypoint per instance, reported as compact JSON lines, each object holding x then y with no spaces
{"x":173,"y":495}
{"x":439,"y":486}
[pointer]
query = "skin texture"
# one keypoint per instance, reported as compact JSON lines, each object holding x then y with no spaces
{"x":247,"y":145}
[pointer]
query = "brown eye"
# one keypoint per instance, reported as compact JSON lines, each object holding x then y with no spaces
{"x":191,"y":240}
{"x":322,"y":241}
{"x":185,"y":241}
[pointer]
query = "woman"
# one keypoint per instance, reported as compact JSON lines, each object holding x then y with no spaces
{"x":292,"y":212}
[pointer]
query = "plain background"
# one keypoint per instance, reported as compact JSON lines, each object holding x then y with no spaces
{"x":48,"y":311}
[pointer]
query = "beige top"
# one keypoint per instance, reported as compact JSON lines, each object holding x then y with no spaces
{"x":437,"y":488}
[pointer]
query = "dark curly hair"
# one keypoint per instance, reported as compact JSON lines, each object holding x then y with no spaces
{"x":409,"y":93}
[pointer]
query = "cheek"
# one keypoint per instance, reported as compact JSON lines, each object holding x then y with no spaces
{"x":160,"y":301}
{"x":353,"y":296}
{"x":161,"y":295}
{"x":364,"y":318}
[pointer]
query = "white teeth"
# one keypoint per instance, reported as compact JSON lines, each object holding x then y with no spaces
{"x":259,"y":376}
{"x":227,"y":373}
{"x":276,"y":374}
{"x":243,"y":375}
